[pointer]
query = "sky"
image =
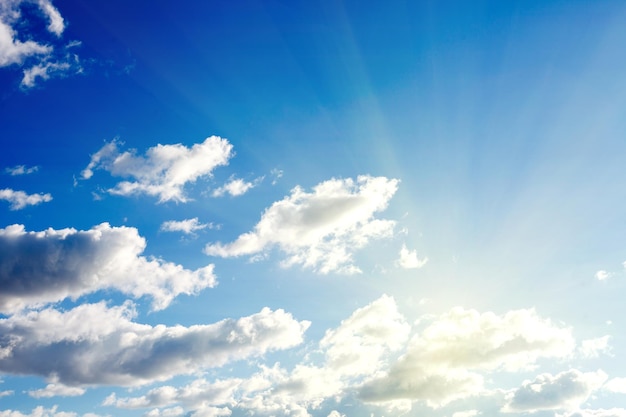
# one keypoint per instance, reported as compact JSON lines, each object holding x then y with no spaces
{"x":312,"y":208}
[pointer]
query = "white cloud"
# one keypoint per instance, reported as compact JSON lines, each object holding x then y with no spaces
{"x":41,"y":59}
{"x":592,"y":348}
{"x":616,"y":385}
{"x":409,"y":260}
{"x":436,"y":366}
{"x":613,"y":412}
{"x":235,"y":187}
{"x":51,"y":265}
{"x":567,"y":390}
{"x":93,"y":344}
{"x":43,"y":71}
{"x":469,"y":413}
{"x":19,"y":199}
{"x":187,"y":226}
{"x":6,"y":393}
{"x":164,"y":170}
{"x":56,"y":390}
{"x":321,"y":229}
{"x":21,"y":170}
{"x":44,"y":412}
{"x":602,"y":275}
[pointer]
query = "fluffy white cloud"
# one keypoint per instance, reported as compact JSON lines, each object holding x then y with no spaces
{"x":187,"y":226}
{"x":93,"y":344}
{"x":164,"y":170}
{"x":321,"y":229}
{"x":469,"y":413}
{"x":6,"y":393}
{"x":56,"y":390}
{"x":42,"y":59}
{"x":409,"y":260}
{"x":21,"y":170}
{"x":19,"y":199}
{"x":436,"y":366}
{"x":235,"y":187}
{"x":51,"y":265}
{"x":566,"y":390}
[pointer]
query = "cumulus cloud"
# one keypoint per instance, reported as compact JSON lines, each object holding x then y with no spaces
{"x":93,"y":344}
{"x":566,"y":390}
{"x":51,"y":265}
{"x":164,"y":170}
{"x":409,"y":260}
{"x":353,"y":350}
{"x":235,"y":187}
{"x":19,"y":199}
{"x":320,"y":229}
{"x":187,"y":226}
{"x":21,"y":170}
{"x":440,"y":363}
{"x":41,"y":57}
{"x":6,"y":393}
{"x":56,"y":390}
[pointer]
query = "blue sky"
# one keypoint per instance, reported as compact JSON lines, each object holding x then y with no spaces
{"x":317,"y":209}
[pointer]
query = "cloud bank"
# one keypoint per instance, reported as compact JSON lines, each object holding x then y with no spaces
{"x":164,"y":170}
{"x":120,"y":351}
{"x":320,"y":229}
{"x":51,"y":265}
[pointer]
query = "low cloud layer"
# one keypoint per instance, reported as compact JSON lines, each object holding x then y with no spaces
{"x":320,"y":229}
{"x":69,"y":348}
{"x":164,"y":170}
{"x":19,"y":199}
{"x":51,"y":265}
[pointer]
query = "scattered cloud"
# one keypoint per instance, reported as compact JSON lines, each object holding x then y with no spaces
{"x":20,"y":200}
{"x":164,"y":170}
{"x":440,"y":363}
{"x":321,"y":229}
{"x":236,"y":187}
{"x":566,"y":390}
{"x":592,"y":348}
{"x":42,"y":57}
{"x":21,"y":170}
{"x":51,"y":265}
{"x":6,"y":393}
{"x":469,"y":413}
{"x":276,"y":175}
{"x":56,"y":390}
{"x":44,"y":412}
{"x":187,"y":226}
{"x":409,"y":260}
{"x":120,"y":351}
{"x":602,"y":275}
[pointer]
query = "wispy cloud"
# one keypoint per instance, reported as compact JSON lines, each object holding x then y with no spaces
{"x":164,"y":170}
{"x":20,"y":200}
{"x":21,"y":170}
{"x":320,"y":229}
{"x":187,"y":226}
